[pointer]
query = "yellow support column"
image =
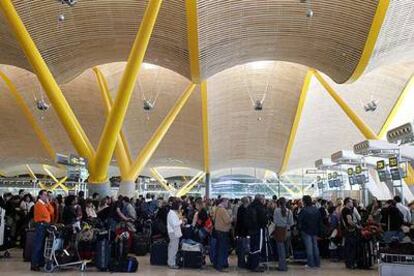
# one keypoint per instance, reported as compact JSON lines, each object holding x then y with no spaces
{"x":161,"y":180}
{"x":396,"y":108}
{"x":29,"y":116}
{"x":192,"y":39}
{"x":190,"y":184}
{"x":145,"y":155}
{"x":52,"y":90}
{"x":115,"y":120}
{"x":121,"y":150}
{"x":295,"y":125}
{"x":371,"y":41}
{"x":358,"y":122}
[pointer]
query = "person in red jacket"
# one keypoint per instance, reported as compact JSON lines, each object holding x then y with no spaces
{"x":43,"y":216}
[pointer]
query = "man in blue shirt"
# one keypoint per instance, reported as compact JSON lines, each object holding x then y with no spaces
{"x":309,"y":223}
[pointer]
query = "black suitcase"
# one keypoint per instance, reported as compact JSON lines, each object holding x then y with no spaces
{"x":365,"y":254}
{"x":121,"y":248}
{"x":102,"y":254}
{"x":190,"y":259}
{"x":159,"y":253}
{"x":242,"y":251}
{"x":129,"y":265}
{"x":140,"y":244}
{"x":28,"y":245}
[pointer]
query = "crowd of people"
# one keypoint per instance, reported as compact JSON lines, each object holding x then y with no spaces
{"x":324,"y":228}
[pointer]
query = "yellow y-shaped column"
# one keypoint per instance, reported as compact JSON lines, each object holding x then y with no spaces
{"x":99,"y":162}
{"x":145,"y":155}
{"x":115,"y":120}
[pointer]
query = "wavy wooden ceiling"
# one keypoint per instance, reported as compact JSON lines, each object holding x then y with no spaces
{"x":234,"y":32}
{"x":96,"y":32}
{"x":231,"y":32}
{"x":396,"y":39}
{"x":241,"y":136}
{"x":237,"y":137}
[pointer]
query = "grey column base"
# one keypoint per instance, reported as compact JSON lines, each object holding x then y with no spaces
{"x":127,"y":188}
{"x":103,"y":189}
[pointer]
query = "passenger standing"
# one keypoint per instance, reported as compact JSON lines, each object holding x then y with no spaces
{"x":222,"y":225}
{"x":283,"y":220}
{"x":241,"y":232}
{"x":391,"y":221}
{"x":257,"y":221}
{"x":43,"y":216}
{"x":349,"y":226}
{"x":405,"y":211}
{"x":309,"y":223}
{"x":411,"y":206}
{"x":174,"y":233}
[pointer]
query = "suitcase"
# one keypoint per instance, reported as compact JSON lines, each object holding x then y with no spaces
{"x":365,"y":254}
{"x":190,"y":259}
{"x":86,"y":250}
{"x":140,"y":244}
{"x":242,"y":250}
{"x":299,"y":255}
{"x":188,"y":232}
{"x":28,"y":245}
{"x":159,"y":253}
{"x":102,"y":254}
{"x":191,"y":255}
{"x":129,"y":265}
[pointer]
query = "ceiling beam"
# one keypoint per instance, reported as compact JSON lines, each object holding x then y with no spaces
{"x":352,"y":115}
{"x":396,"y":108}
{"x":192,"y":39}
{"x":296,"y":121}
{"x":29,"y":116}
{"x":371,"y":41}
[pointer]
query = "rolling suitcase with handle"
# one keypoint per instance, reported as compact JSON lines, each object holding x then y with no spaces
{"x":28,"y":245}
{"x":191,"y":255}
{"x":140,"y":244}
{"x":159,"y":253}
{"x":103,"y":252}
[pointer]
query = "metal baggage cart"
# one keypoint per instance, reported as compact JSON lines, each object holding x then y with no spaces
{"x":396,"y":264}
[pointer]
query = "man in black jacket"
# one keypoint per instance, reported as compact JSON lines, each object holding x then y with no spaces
{"x":392,"y":220}
{"x":256,"y":222}
{"x":241,"y":233}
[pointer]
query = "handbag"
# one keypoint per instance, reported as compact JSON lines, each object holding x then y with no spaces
{"x":280,"y":233}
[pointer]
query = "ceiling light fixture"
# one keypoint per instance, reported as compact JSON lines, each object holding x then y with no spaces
{"x":70,"y":3}
{"x":309,"y":11}
{"x":371,"y":106}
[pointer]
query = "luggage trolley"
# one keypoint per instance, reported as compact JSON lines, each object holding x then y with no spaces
{"x":55,"y":252}
{"x":4,"y":237}
{"x":395,"y":264}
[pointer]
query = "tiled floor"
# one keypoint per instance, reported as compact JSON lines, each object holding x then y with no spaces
{"x":15,"y":266}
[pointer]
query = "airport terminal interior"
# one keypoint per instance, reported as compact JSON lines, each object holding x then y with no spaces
{"x":191,"y":137}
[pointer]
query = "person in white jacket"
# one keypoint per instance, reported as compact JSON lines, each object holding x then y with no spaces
{"x":174,"y":233}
